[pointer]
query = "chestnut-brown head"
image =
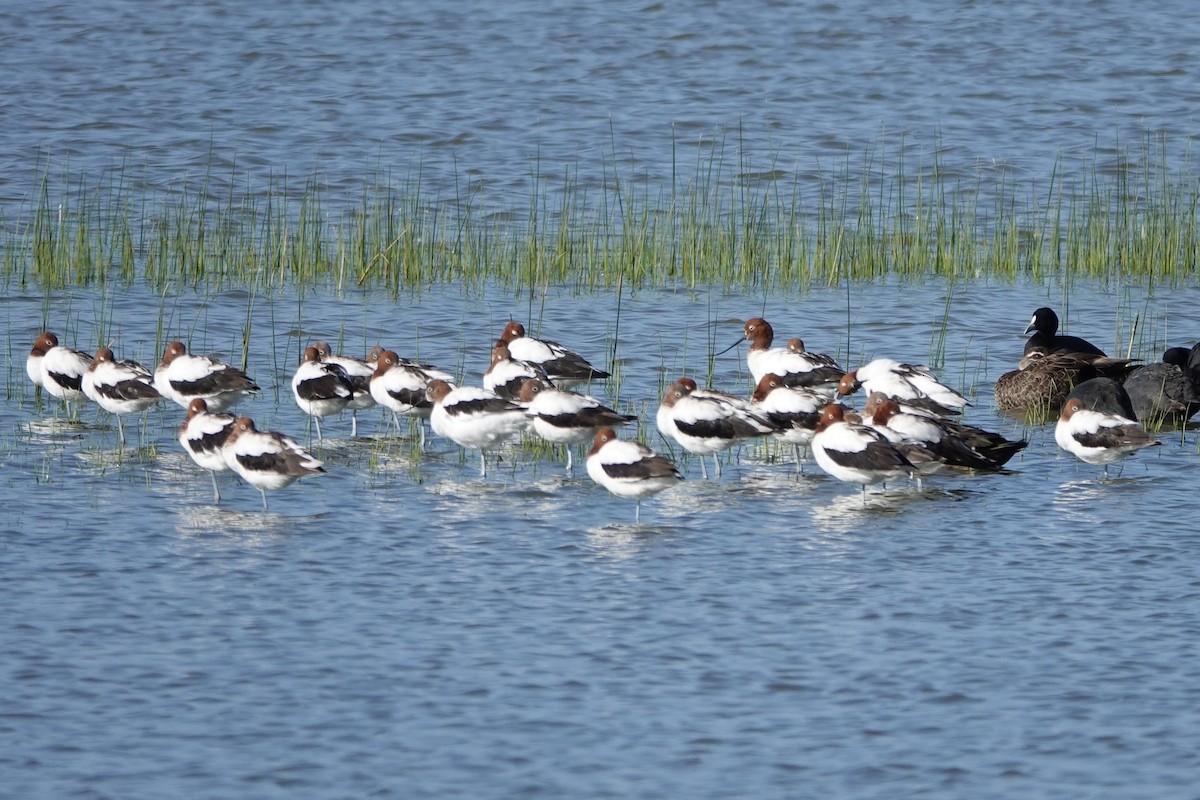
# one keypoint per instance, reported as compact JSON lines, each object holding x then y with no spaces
{"x":603,"y":437}
{"x":174,"y":350}
{"x":848,"y":384}
{"x":385,"y":360}
{"x":766,"y":384}
{"x":43,"y":343}
{"x":513,"y":330}
{"x":678,"y":390}
{"x":241,"y":425}
{"x":437,"y":390}
{"x":1069,"y":409}
{"x":197,"y":406}
{"x":831,"y":415}
{"x":500,"y":353}
{"x":884,"y":411}
{"x":530,"y":389}
{"x":759,"y":333}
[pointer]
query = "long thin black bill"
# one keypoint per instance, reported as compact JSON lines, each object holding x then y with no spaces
{"x":735,"y":344}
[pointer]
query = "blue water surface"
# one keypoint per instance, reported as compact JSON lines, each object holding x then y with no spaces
{"x":500,"y":95}
{"x":399,"y":627}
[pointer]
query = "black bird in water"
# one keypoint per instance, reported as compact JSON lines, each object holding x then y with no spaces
{"x":1044,"y":327}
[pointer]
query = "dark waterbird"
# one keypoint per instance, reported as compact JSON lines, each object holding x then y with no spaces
{"x":1167,"y":393}
{"x":1044,"y":327}
{"x":1042,"y":380}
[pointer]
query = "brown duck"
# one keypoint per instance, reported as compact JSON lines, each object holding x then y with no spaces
{"x":1043,"y":380}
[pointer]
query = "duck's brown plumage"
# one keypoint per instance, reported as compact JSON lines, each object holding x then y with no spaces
{"x":1043,"y":380}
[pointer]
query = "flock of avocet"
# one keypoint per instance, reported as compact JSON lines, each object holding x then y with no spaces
{"x":905,"y":430}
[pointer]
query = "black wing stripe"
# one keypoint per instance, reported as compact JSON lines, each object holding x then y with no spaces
{"x":481,"y":405}
{"x":69,"y":381}
{"x":876,"y":456}
{"x":654,"y":467}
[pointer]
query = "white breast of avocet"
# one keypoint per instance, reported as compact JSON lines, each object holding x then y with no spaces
{"x":478,"y":419}
{"x":87,"y":384}
{"x":33,"y":367}
{"x":203,"y":436}
{"x":778,"y":361}
{"x":795,"y":410}
{"x":1098,"y":438}
{"x":261,"y":458}
{"x":664,"y":422}
{"x":630,"y":469}
{"x":709,"y":423}
{"x":907,"y":381}
{"x":857,"y":454}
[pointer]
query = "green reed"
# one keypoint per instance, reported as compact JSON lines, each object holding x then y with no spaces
{"x":722,"y":222}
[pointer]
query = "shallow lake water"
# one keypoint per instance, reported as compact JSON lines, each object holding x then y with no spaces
{"x":500,"y":95}
{"x":400,"y":627}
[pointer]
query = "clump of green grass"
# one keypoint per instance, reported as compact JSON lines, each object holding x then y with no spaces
{"x":729,"y":224}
